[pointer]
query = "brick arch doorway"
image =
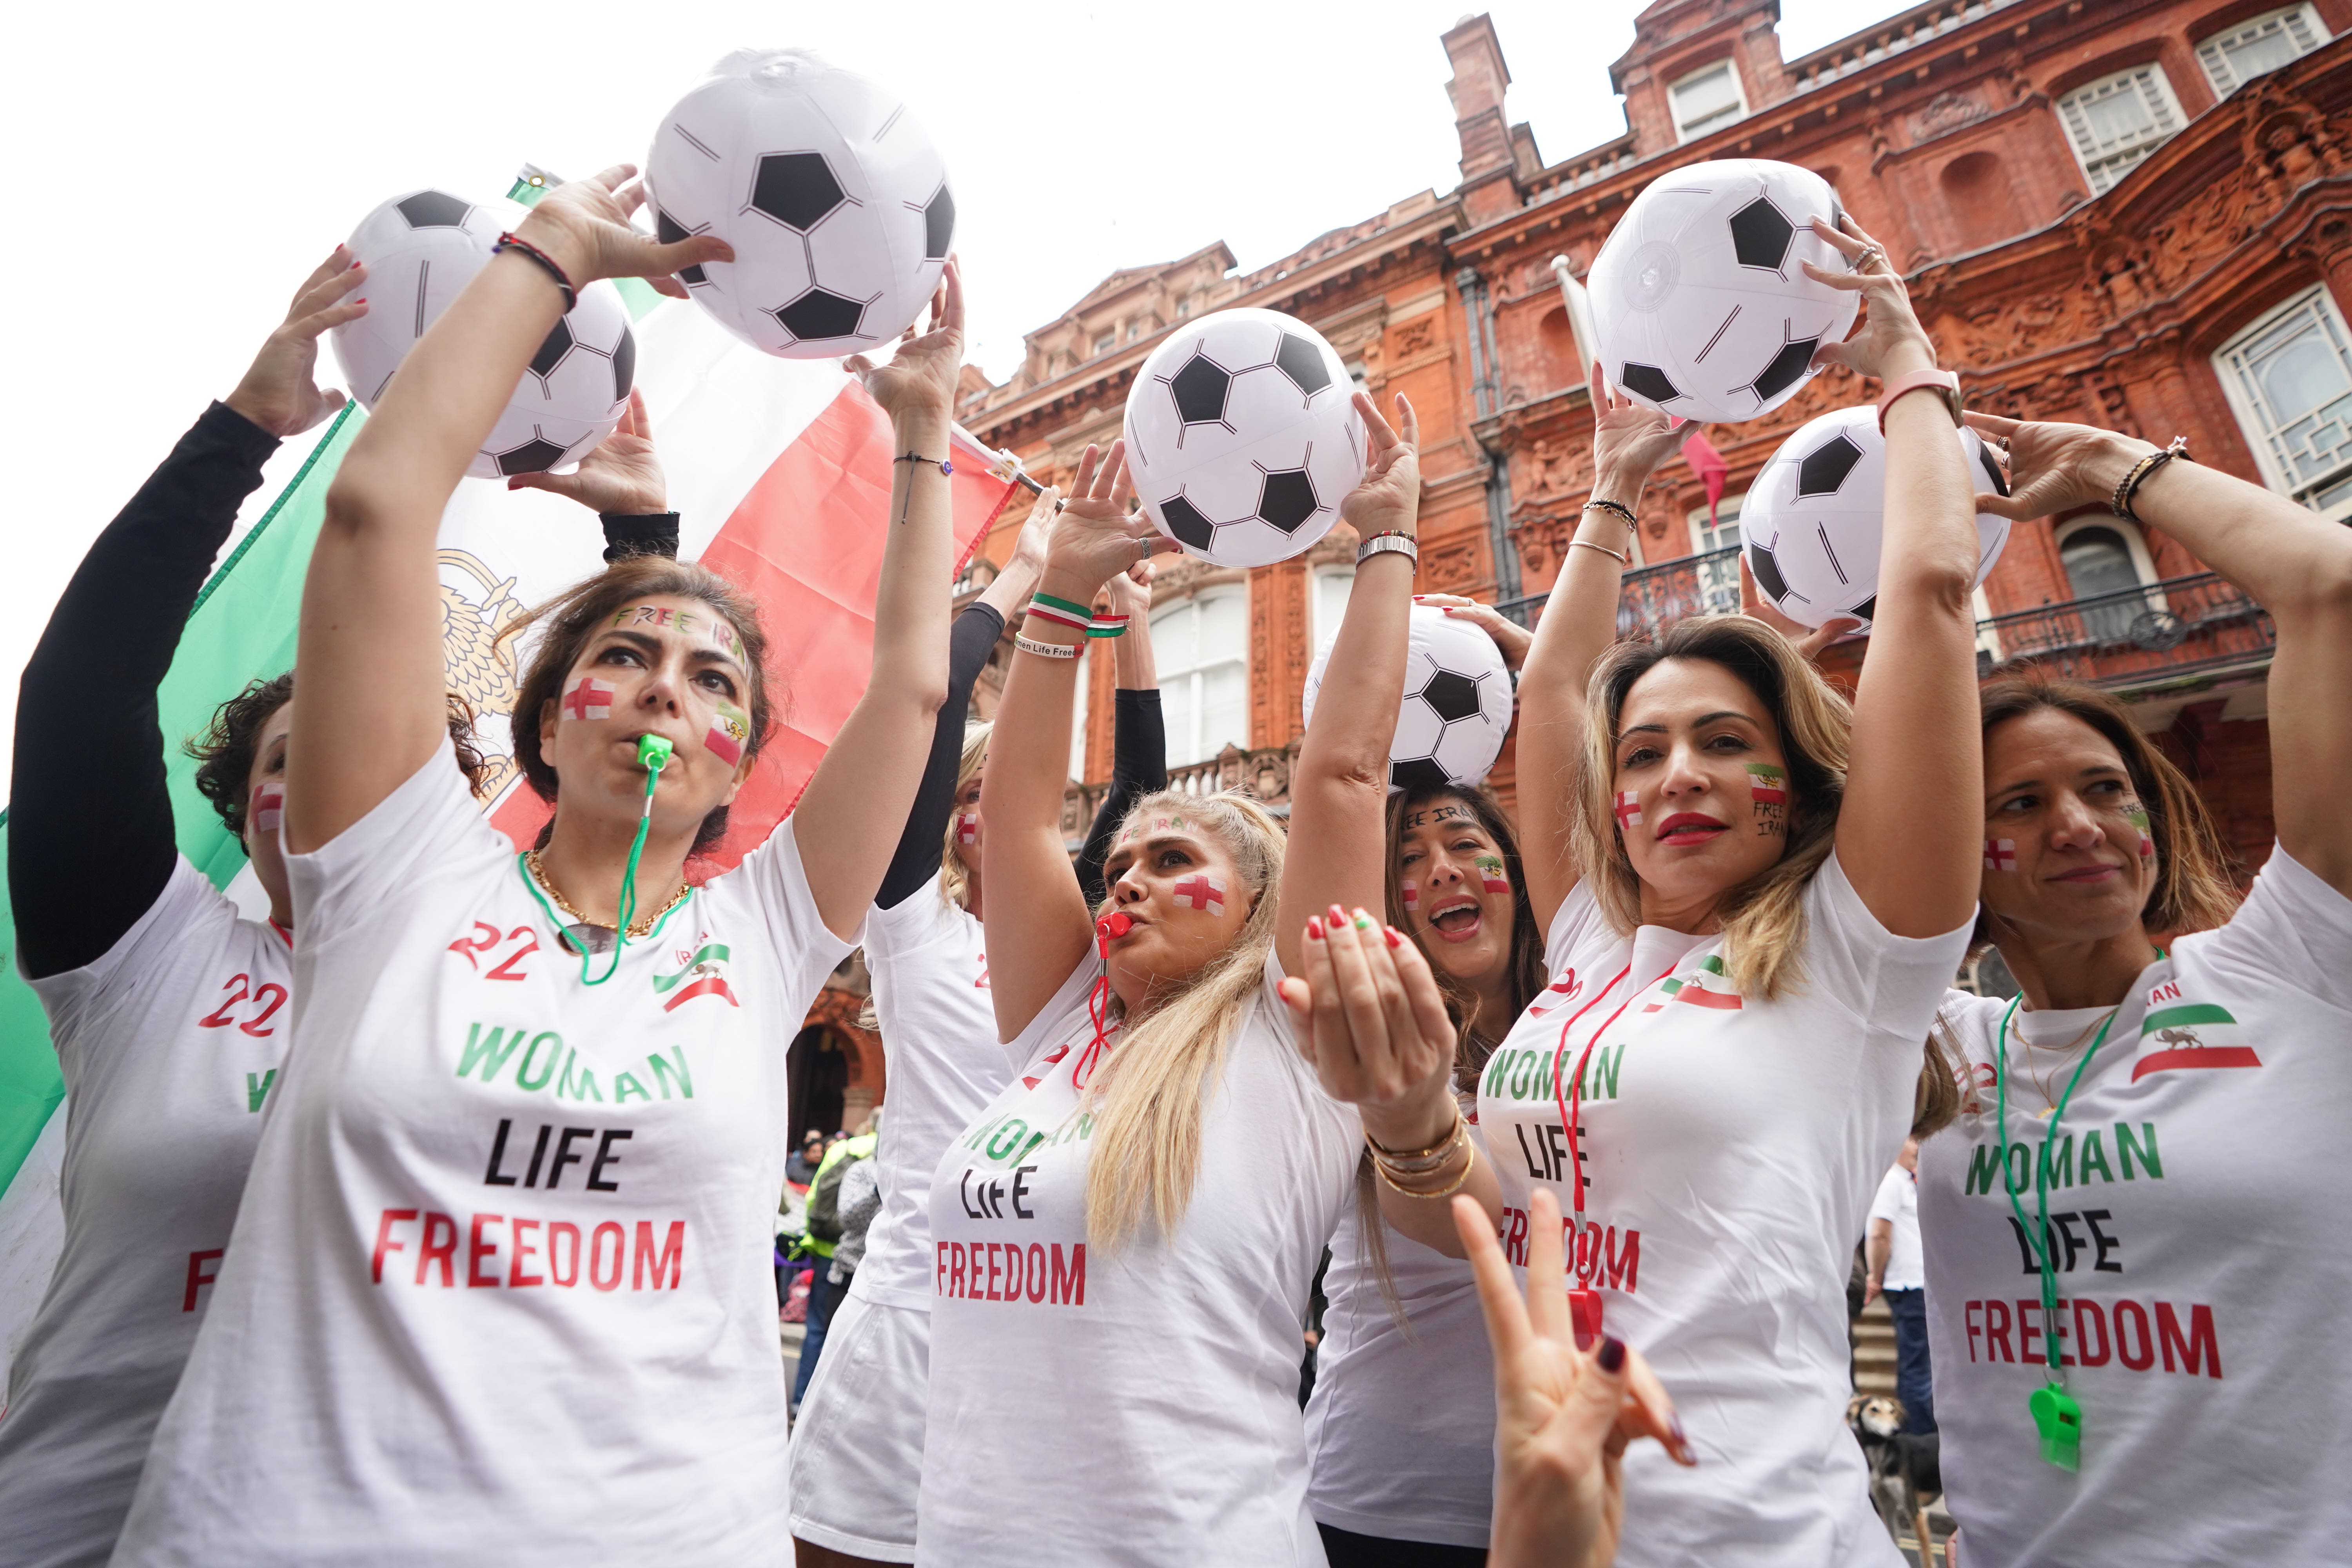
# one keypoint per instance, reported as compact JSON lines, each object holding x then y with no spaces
{"x":818,"y":1070}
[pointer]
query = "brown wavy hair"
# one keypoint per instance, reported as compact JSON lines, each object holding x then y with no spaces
{"x":574,"y":616}
{"x":2194,"y":889}
{"x":1763,"y":919}
{"x":225,"y":750}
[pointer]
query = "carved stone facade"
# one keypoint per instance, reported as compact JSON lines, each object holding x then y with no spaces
{"x":1941,"y":128}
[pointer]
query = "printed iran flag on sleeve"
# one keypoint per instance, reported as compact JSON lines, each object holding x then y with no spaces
{"x":780,"y":472}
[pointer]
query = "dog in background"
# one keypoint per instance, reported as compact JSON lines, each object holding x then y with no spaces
{"x":1901,"y":1468}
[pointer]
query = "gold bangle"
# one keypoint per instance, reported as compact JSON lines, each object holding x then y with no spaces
{"x":1382,"y":1150}
{"x":1622,"y":560}
{"x":1445,"y":1192}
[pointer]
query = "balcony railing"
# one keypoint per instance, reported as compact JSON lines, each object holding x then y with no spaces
{"x":2178,"y":626}
{"x":2181,"y":626}
{"x":1657,"y":596}
{"x":1263,"y":772}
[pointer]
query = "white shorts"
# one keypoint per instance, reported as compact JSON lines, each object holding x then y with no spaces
{"x":857,"y":1447}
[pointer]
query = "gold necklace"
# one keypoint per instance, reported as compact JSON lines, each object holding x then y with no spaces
{"x":2059,"y":1053}
{"x":640,"y":928}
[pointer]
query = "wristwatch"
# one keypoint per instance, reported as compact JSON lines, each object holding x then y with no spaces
{"x":1944,"y":381}
{"x":1383,"y":543}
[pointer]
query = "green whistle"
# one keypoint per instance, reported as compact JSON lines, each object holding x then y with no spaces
{"x":2059,"y":1418}
{"x":653,"y":752}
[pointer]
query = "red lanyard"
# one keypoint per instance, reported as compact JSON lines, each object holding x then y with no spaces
{"x":1568,"y":1114}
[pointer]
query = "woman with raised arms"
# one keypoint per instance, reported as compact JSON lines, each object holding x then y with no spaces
{"x":858,"y":1444}
{"x":168,"y":1009}
{"x":2173,"y":1102}
{"x":1755,"y":897}
{"x":1400,"y":1427}
{"x":1125,"y":1239}
{"x":500,"y":1283}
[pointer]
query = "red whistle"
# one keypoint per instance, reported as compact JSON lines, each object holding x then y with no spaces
{"x":1584,"y":1316}
{"x":1111,"y":926}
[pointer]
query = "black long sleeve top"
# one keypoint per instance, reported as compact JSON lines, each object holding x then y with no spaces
{"x":91,"y":842}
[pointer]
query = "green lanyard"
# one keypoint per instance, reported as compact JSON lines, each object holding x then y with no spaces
{"x":652,"y":756}
{"x":2057,"y":1414}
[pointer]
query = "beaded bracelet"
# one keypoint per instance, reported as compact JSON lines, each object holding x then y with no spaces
{"x":2129,"y":486}
{"x":944,"y":465}
{"x":1617,"y":508}
{"x":1046,"y":649}
{"x":508,"y":241}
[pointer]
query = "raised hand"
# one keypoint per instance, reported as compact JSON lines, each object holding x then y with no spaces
{"x":1131,"y":592}
{"x":1562,"y":1417}
{"x":1630,"y":440}
{"x":1510,"y":636}
{"x":920,"y":378}
{"x":280,"y":392}
{"x":1891,"y":342}
{"x":622,"y":475}
{"x":584,"y":227}
{"x":1808,"y":641}
{"x":1373,"y":1022}
{"x":1388,"y":501}
{"x":2053,"y":468}
{"x":1096,"y":536}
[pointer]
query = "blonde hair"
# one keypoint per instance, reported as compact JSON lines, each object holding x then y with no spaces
{"x":1150,"y":1093}
{"x":1763,"y":919}
{"x":955,"y":880}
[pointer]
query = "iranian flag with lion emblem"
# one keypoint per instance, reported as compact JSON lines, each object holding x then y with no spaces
{"x":781,"y":471}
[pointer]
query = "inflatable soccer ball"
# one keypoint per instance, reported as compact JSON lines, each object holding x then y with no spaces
{"x":1242,"y":438}
{"x":421,"y":251}
{"x":1697,"y":298}
{"x":830,"y":191}
{"x":1457,"y":703}
{"x":1811,"y":523}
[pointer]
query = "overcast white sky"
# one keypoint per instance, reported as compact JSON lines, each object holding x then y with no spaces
{"x":180,"y":168}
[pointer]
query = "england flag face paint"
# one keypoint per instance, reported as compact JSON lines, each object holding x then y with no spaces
{"x":967,"y":827}
{"x":1629,"y":809}
{"x":2000,"y":854}
{"x":1411,"y":896}
{"x":589,"y":699}
{"x":269,"y":807}
{"x":1201,"y":891}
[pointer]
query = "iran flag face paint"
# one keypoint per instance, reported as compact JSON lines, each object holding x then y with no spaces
{"x":1490,"y":874}
{"x":589,"y":699}
{"x":1203,"y":892}
{"x":729,"y":732}
{"x":1767,"y":785}
{"x":269,"y":807}
{"x":1629,"y":809}
{"x":2137,"y":816}
{"x":2000,"y":854}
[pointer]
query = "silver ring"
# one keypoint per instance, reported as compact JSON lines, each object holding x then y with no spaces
{"x":1876,"y":253}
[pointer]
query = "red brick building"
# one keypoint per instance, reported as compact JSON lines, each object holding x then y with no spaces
{"x":2132,"y":213}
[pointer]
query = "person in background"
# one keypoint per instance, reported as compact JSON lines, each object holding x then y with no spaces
{"x":1895,"y":1272}
{"x":825,"y":1233}
{"x":859,"y":1201}
{"x":800,"y":1169}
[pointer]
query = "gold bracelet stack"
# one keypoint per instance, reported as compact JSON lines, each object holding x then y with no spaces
{"x":1422,"y":1164}
{"x":1616,"y":509}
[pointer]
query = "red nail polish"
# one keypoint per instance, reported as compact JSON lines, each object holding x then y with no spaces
{"x":1315,"y":927}
{"x":360,"y":300}
{"x":1338,"y":916}
{"x":1394,"y":939}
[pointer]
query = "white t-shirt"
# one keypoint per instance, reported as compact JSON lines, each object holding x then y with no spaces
{"x":2197,"y":1210}
{"x":1401,"y":1431}
{"x":1136,"y":1407}
{"x":930,"y":968}
{"x":500,"y":1285}
{"x":1898,"y":1204}
{"x":171,"y":1043}
{"x":1731,"y":1146}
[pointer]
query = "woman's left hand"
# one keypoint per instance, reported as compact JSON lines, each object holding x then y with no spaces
{"x":1098,"y":536}
{"x":1511,"y":638}
{"x":1562,"y":1417}
{"x":1374,"y":1027}
{"x":1389,"y":499}
{"x":1891,"y":342}
{"x":582,"y":226}
{"x":1630,"y":440}
{"x":622,"y":475}
{"x":919,"y":381}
